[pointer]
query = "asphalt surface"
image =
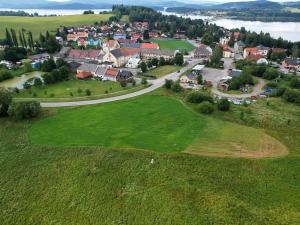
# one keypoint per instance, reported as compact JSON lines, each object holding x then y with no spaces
{"x":155,"y":84}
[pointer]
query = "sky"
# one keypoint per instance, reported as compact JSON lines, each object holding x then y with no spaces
{"x":192,"y":0}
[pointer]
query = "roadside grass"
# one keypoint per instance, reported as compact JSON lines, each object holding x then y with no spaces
{"x":48,"y":184}
{"x":162,"y":71}
{"x":63,"y":90}
{"x":39,"y":25}
{"x":173,"y":44}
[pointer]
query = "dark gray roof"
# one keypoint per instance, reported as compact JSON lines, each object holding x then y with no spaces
{"x":89,"y":67}
{"x":261,"y":47}
{"x":39,"y":56}
{"x":293,"y":61}
{"x":202,"y":51}
{"x":100,"y":71}
{"x":157,"y":52}
{"x":124,"y":74}
{"x":116,"y":53}
{"x":130,"y":45}
{"x":235,"y":73}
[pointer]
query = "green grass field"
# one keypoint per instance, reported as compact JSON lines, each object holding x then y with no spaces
{"x":162,"y":70}
{"x":54,"y":183}
{"x":42,"y":24}
{"x":62,"y":91}
{"x":173,"y":44}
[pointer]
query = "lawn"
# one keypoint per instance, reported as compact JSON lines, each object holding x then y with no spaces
{"x":95,"y":185}
{"x":162,"y":71}
{"x":173,"y":44}
{"x":178,"y":129}
{"x":42,"y":24}
{"x":62,"y":91}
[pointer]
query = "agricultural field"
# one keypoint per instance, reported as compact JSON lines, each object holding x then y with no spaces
{"x":162,"y":71}
{"x":42,"y":24}
{"x":135,"y":167}
{"x":173,"y":44}
{"x":74,"y":90}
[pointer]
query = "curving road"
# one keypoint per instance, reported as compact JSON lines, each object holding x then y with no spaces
{"x":155,"y":84}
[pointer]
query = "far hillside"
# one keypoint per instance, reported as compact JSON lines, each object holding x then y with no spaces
{"x":39,"y":25}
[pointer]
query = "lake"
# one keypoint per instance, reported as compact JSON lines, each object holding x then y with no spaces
{"x":286,"y":30}
{"x":17,"y":82}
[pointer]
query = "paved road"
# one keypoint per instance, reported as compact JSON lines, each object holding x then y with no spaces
{"x":155,"y":84}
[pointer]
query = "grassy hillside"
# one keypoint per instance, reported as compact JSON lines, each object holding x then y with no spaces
{"x":42,"y":24}
{"x":95,"y":185}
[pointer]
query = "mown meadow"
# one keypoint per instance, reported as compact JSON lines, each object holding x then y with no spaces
{"x":63,"y":177}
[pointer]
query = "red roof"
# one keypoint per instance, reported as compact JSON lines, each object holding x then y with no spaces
{"x":83,"y":75}
{"x":111,"y":72}
{"x":150,"y":45}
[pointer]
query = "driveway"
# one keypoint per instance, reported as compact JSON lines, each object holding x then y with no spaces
{"x":155,"y":84}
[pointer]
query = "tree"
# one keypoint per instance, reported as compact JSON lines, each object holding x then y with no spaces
{"x":21,"y":39}
{"x":8,"y":39}
{"x":27,"y":66}
{"x":48,"y":65}
{"x":5,"y":101}
{"x":224,"y":104}
{"x":270,"y":74}
{"x":14,"y":38}
{"x":24,"y":110}
{"x":198,"y":97}
{"x":162,"y":61}
{"x":154,"y":61}
{"x":5,"y":74}
{"x":146,"y":35}
{"x":199,"y":79}
{"x":168,"y":84}
{"x":216,"y":56}
{"x":178,"y":60}
{"x":143,"y":67}
{"x":206,"y":108}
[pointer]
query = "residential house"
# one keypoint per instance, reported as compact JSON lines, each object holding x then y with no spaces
{"x":224,"y":40}
{"x":119,"y":57}
{"x":124,"y":75}
{"x":86,"y":70}
{"x":111,"y":45}
{"x":38,"y":59}
{"x":133,"y":62}
{"x":291,"y":64}
{"x":263,"y":50}
{"x":228,"y":52}
{"x":252,"y":52}
{"x":80,"y":56}
{"x":111,"y":74}
{"x":148,"y":53}
{"x":239,"y":46}
{"x":202,"y":52}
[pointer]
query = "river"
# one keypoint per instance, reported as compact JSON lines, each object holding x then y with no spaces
{"x":17,"y":82}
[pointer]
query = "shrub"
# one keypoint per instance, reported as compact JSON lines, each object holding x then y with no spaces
{"x":79,"y":90}
{"x":206,"y":108}
{"x":5,"y":74}
{"x":224,"y":104}
{"x":24,"y":110}
{"x":133,"y":82}
{"x":88,"y":92}
{"x":5,"y":101}
{"x":176,"y":87}
{"x":198,"y":97}
{"x":168,"y":84}
{"x":37,"y":82}
{"x":144,"y":81}
{"x":295,"y":83}
{"x":123,"y":83}
{"x":27,"y":85}
{"x":291,"y":95}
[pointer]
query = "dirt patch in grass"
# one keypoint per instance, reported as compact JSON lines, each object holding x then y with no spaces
{"x":237,"y":141}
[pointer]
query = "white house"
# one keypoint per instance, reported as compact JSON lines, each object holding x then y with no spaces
{"x":133,"y":62}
